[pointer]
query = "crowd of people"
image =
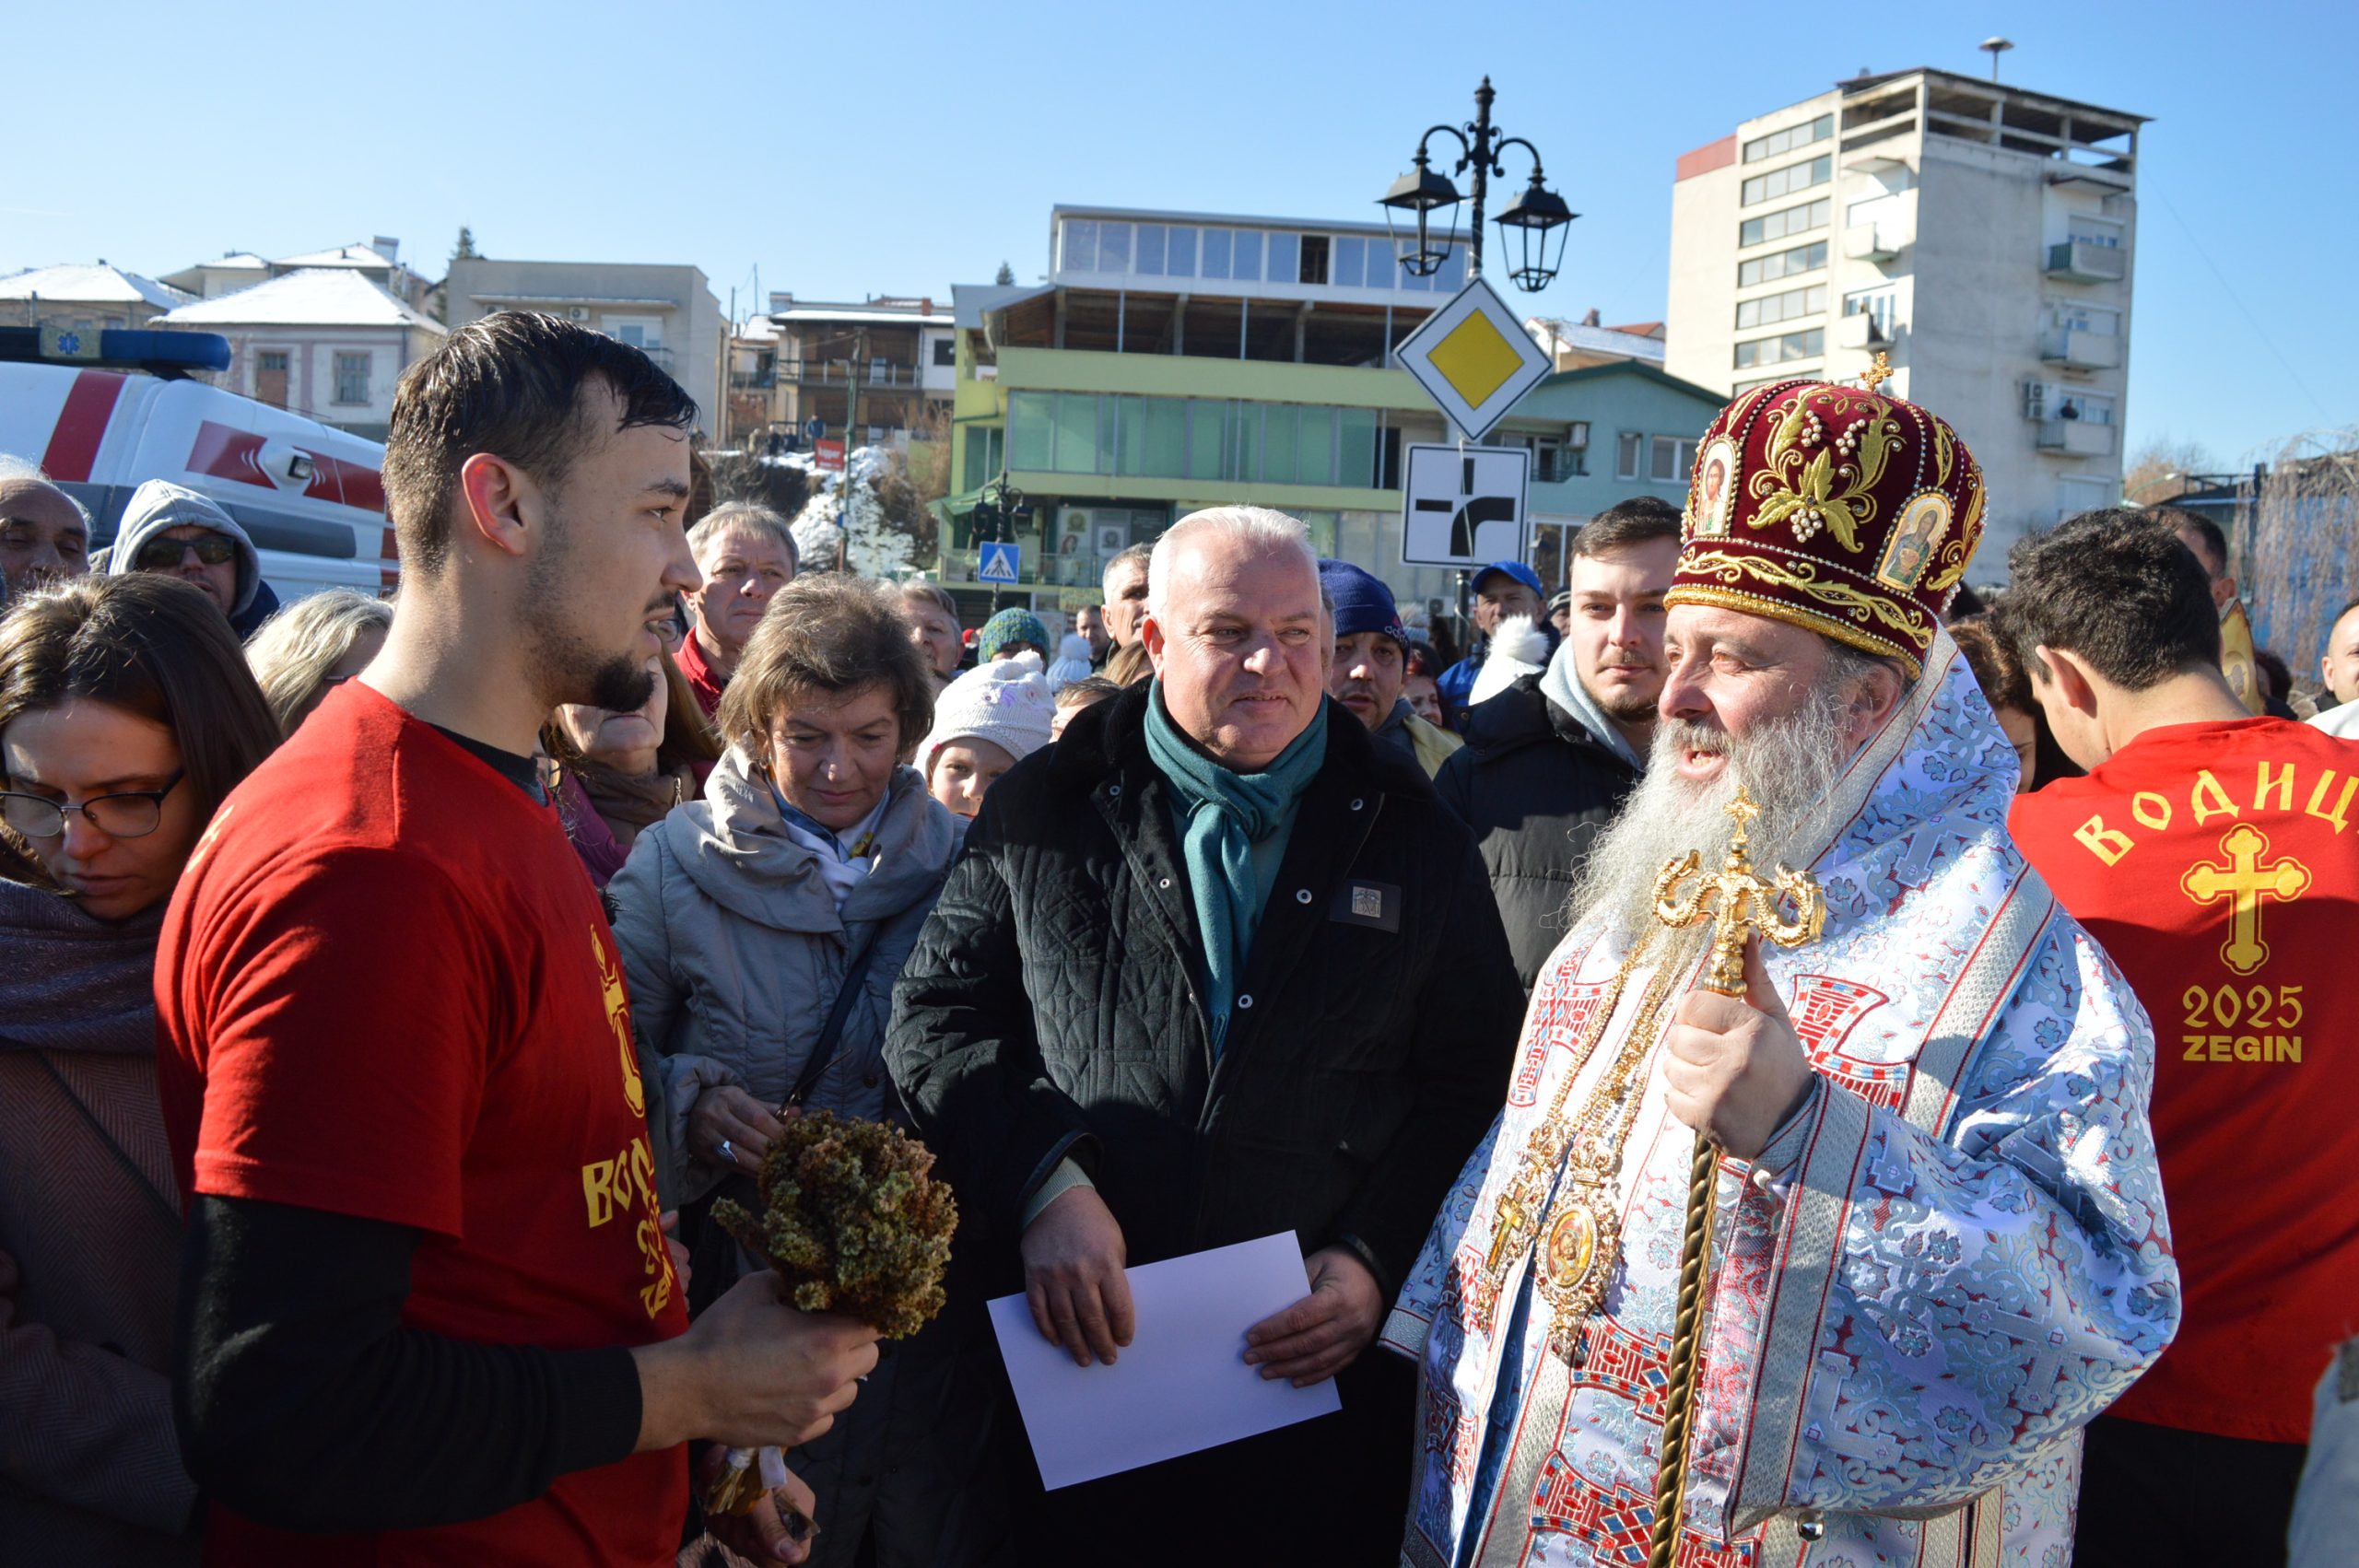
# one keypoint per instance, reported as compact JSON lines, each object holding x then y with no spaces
{"x":395,"y":987}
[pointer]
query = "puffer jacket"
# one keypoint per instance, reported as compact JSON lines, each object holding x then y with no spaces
{"x":1053,"y":1007}
{"x":1537,"y":788}
{"x":735,"y":950}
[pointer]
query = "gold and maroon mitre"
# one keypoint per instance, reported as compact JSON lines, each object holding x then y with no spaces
{"x":1835,"y":508}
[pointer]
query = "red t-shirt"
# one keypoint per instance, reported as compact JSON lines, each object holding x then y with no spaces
{"x":2219,"y":865}
{"x":385,"y":989}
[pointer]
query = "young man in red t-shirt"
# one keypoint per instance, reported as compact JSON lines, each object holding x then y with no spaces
{"x":429,"y":1314}
{"x":2217,"y":857}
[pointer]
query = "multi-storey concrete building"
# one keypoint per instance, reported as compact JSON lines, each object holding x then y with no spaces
{"x":1176,"y":360}
{"x":1979,"y":234}
{"x":667,"y":311}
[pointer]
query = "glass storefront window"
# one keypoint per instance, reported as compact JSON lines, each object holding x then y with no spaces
{"x":1031,"y":428}
{"x":1076,"y":437}
{"x":1355,"y":447}
{"x":1207,"y":425}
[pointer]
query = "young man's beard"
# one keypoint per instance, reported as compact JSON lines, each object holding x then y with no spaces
{"x":1788,"y":765}
{"x":564,"y":666}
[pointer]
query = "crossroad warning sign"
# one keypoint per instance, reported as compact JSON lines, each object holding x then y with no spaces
{"x":1462,"y":506}
{"x":1474,"y":358}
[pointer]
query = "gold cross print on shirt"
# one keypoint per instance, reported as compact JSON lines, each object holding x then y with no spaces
{"x":2245,"y":881}
{"x":1740,"y":904}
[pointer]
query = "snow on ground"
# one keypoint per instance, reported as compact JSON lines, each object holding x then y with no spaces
{"x":871,"y":544}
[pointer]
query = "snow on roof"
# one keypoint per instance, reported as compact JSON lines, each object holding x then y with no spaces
{"x":236,"y":261}
{"x":322,"y":296}
{"x":354,"y":255}
{"x":91,"y":285}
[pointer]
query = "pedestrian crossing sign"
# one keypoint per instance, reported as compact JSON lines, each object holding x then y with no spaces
{"x":999,"y":563}
{"x":1474,"y":358}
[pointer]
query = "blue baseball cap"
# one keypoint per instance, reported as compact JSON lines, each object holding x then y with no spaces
{"x":1517,"y":570}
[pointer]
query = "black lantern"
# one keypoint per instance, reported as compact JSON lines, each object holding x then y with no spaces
{"x":1423,"y":193}
{"x":1534,"y":214}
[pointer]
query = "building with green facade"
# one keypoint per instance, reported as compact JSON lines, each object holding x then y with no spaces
{"x":1179,"y":360}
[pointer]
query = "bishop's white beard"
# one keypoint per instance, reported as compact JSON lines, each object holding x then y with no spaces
{"x":1788,"y":765}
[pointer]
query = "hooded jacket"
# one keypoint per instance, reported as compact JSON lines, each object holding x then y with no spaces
{"x":91,"y":1471}
{"x":158,"y":505}
{"x":734,"y":950}
{"x":1538,"y":780}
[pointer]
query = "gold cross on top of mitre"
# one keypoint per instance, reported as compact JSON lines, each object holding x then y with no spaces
{"x":1739,"y":904}
{"x":1878,"y":372}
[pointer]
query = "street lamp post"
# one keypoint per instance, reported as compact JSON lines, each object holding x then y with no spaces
{"x":1535,"y":213}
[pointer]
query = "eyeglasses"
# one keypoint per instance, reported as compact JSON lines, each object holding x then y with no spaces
{"x":161,"y":555}
{"x":132,"y":813}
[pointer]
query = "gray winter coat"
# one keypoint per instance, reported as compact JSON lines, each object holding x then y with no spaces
{"x":735,"y":950}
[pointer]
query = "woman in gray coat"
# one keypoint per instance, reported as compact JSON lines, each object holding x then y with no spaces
{"x":816,"y":851}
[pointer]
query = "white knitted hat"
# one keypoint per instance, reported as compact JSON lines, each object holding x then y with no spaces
{"x":1072,"y":663}
{"x":1005,"y":702}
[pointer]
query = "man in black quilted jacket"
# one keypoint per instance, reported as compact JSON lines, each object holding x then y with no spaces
{"x":1548,"y":762}
{"x":1213,"y":967}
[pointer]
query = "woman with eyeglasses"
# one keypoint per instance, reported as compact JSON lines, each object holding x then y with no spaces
{"x":127,"y":714}
{"x":314,"y":646}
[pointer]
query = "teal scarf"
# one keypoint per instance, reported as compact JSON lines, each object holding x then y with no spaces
{"x":1226,"y":814}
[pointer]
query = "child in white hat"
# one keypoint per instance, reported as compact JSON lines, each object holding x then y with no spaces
{"x":984,"y":723}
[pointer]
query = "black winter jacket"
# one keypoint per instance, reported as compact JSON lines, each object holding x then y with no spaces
{"x":1537,"y":789}
{"x":1053,"y":1007}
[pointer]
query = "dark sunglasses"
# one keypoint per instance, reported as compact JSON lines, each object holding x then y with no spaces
{"x":161,"y":555}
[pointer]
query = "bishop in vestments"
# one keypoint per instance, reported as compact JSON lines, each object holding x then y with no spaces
{"x":1939,"y":1245}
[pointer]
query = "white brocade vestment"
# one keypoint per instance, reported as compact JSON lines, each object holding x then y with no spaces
{"x":1936,"y":1273}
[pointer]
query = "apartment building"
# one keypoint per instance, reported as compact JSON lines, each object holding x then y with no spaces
{"x":669,"y":312}
{"x":879,"y":365}
{"x":1980,"y":235}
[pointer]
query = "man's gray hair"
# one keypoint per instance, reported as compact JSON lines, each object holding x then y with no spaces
{"x":743,"y":516}
{"x":1257,"y":526}
{"x":15,"y":467}
{"x":1136,"y":555}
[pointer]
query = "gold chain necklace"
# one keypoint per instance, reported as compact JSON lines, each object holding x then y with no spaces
{"x":1583,"y":1237}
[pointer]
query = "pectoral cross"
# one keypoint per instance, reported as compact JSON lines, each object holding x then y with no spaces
{"x":1507,"y":1222}
{"x":2245,"y":881}
{"x":1739,"y":904}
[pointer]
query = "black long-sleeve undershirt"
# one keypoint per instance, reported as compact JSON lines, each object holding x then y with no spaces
{"x":303,"y":1404}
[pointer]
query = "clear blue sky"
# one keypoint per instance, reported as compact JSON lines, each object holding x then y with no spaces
{"x":899,"y":148}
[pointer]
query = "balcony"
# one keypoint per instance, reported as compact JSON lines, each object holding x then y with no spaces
{"x":1872,"y":242}
{"x":2080,"y":350}
{"x":2078,"y":260}
{"x":839,"y":372}
{"x":752,"y":381}
{"x":1859,"y":330}
{"x":2076,"y":437}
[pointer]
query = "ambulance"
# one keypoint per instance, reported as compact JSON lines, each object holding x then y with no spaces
{"x":101,"y":417}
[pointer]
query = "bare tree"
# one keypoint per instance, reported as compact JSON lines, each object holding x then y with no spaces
{"x":2159,"y":469}
{"x":2298,"y":522}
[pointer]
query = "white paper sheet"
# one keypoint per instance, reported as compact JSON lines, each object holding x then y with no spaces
{"x":1180,"y":1385}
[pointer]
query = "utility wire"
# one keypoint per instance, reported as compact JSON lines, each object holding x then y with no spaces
{"x":2235,"y":298}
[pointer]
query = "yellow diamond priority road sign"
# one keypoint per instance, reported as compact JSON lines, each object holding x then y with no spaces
{"x":1474,"y":358}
